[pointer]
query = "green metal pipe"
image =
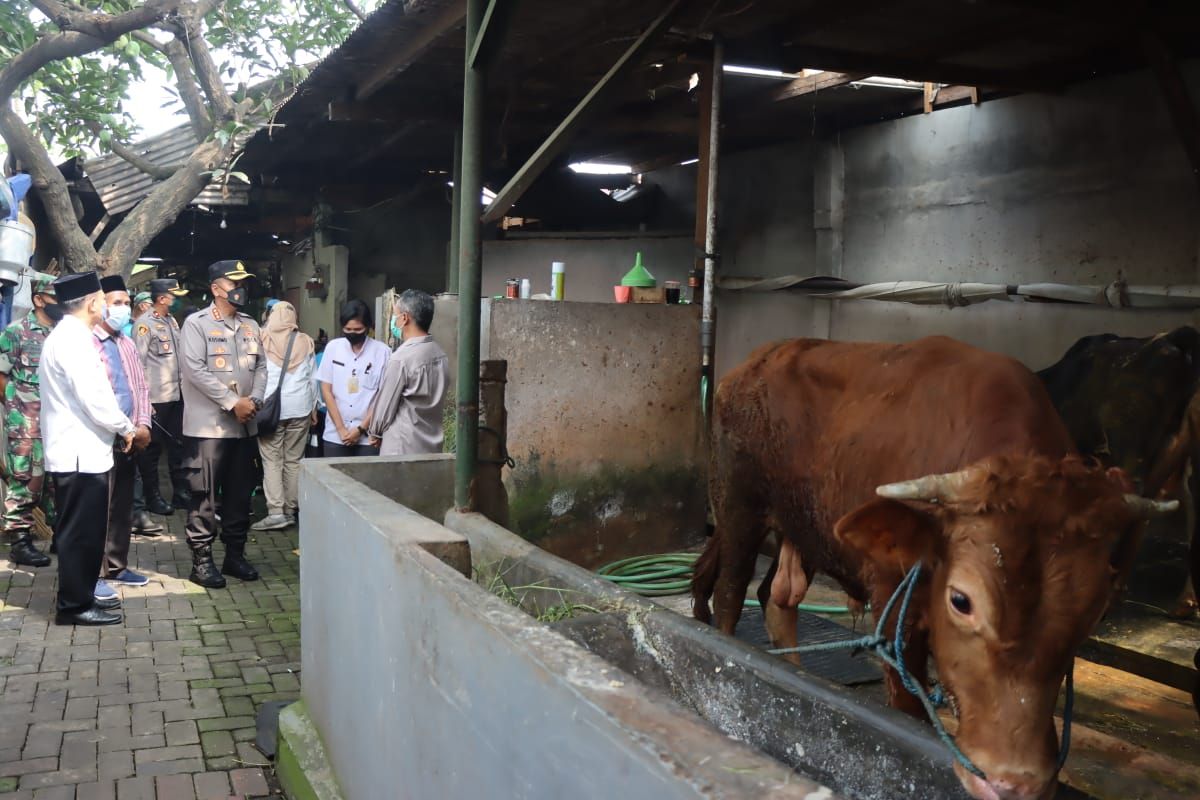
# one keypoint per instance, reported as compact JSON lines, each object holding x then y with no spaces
{"x":470,"y":261}
{"x":455,"y":216}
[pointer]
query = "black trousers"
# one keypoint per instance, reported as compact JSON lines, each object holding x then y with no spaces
{"x":170,"y":417}
{"x":221,"y":474}
{"x":82,"y":499}
{"x":342,"y":451}
{"x":120,"y":506}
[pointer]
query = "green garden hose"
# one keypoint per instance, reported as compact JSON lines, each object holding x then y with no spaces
{"x":670,"y":574}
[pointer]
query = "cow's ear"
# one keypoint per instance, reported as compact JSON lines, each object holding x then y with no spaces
{"x":890,"y":534}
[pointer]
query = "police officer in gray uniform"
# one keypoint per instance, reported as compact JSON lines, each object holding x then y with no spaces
{"x":224,"y":378}
{"x":157,"y":337}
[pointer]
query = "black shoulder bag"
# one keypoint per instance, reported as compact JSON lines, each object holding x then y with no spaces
{"x":267,"y":417}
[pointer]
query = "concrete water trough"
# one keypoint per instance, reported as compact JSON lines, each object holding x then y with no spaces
{"x":420,"y":680}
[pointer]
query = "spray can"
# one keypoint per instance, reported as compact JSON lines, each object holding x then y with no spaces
{"x":557,"y":280}
{"x":526,"y":289}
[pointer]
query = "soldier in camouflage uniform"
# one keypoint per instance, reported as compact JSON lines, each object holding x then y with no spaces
{"x":26,"y":481}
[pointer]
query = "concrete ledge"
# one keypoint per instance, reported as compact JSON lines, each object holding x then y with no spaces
{"x":855,"y":746}
{"x":408,"y":665}
{"x":300,"y":761}
{"x":415,"y":482}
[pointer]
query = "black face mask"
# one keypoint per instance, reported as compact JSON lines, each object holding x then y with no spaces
{"x":54,"y":312}
{"x":356,"y":338}
{"x":237,"y":297}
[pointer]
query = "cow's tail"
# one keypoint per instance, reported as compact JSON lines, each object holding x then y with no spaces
{"x":705,"y":579}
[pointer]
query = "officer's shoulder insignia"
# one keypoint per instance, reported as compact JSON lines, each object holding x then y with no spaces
{"x":143,"y":329}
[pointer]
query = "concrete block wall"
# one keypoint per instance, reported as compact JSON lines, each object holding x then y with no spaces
{"x":421,"y":684}
{"x":1075,"y":187}
{"x":604,"y":422}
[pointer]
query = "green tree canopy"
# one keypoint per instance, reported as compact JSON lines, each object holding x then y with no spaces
{"x":68,"y":68}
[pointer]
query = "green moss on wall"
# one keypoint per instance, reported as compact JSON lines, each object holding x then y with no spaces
{"x":544,"y":501}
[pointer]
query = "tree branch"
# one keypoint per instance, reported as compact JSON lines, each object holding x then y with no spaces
{"x":151,"y":216}
{"x":82,"y":33}
{"x":209,"y":77}
{"x":185,"y":79}
{"x":355,"y":10}
{"x":77,"y":250}
{"x":142,"y":163}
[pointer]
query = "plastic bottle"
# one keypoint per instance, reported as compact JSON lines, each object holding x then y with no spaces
{"x":557,"y":280}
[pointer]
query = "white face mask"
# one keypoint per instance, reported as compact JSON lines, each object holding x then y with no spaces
{"x":116,"y":316}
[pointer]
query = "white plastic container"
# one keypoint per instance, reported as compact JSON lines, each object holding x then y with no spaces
{"x":16,"y":248}
{"x":526,"y":289}
{"x":557,"y":280}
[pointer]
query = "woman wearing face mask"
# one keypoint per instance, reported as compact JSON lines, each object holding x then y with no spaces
{"x":349,"y":378}
{"x":282,"y":449}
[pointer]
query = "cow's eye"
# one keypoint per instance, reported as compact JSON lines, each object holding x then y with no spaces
{"x":961,"y":603}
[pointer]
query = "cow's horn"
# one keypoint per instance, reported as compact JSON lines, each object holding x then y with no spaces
{"x":1149,"y":508}
{"x":931,"y":487}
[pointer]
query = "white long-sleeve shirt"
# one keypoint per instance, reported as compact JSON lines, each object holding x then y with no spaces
{"x":299,"y":395}
{"x":80,"y":415}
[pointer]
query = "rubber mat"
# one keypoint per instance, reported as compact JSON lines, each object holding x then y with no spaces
{"x":839,"y":666}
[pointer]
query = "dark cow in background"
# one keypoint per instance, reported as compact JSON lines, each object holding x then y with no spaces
{"x":1133,"y":403}
{"x":864,"y":459}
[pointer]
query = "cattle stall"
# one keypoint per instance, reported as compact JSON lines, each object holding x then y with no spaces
{"x":1041,"y":154}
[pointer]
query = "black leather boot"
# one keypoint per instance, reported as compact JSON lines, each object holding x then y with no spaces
{"x":204,"y":570}
{"x":142,"y":524}
{"x":236,"y":563}
{"x":155,"y":504}
{"x":24,"y":553}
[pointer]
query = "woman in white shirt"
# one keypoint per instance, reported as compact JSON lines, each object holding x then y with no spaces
{"x":282,"y":450}
{"x":350,"y":372}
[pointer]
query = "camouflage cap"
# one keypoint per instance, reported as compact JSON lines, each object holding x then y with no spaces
{"x":41,"y":283}
{"x":142,"y":297}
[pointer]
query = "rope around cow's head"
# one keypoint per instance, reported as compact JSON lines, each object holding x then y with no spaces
{"x":891,"y":652}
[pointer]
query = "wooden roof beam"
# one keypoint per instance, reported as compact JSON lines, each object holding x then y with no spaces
{"x":914,"y":69}
{"x":813,"y":83}
{"x":450,"y":17}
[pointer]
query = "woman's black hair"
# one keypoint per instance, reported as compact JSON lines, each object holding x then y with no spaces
{"x":357,"y":309}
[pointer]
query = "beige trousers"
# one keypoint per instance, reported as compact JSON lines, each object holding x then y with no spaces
{"x":281,"y":453}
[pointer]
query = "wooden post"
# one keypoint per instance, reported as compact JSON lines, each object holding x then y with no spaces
{"x":704,"y":105}
{"x":708,"y":313}
{"x":490,"y":496}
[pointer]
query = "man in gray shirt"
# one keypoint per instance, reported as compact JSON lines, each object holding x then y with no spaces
{"x":224,"y":374}
{"x":407,"y":416}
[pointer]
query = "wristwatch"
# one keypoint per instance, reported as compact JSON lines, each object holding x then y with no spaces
{"x":257,"y":403}
{"x":362,"y":431}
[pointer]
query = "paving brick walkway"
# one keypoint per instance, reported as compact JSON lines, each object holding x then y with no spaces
{"x":161,"y":706}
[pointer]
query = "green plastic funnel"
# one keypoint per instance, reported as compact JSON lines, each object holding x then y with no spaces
{"x":639,"y":276}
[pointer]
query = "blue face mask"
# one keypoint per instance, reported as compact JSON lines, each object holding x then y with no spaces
{"x":396,"y":332}
{"x":117,"y":317}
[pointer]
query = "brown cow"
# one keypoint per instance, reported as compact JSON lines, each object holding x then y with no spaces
{"x":979,"y":481}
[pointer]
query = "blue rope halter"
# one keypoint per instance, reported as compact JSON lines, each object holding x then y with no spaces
{"x":892,"y":654}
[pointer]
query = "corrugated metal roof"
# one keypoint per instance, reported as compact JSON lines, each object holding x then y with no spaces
{"x":121,"y":186}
